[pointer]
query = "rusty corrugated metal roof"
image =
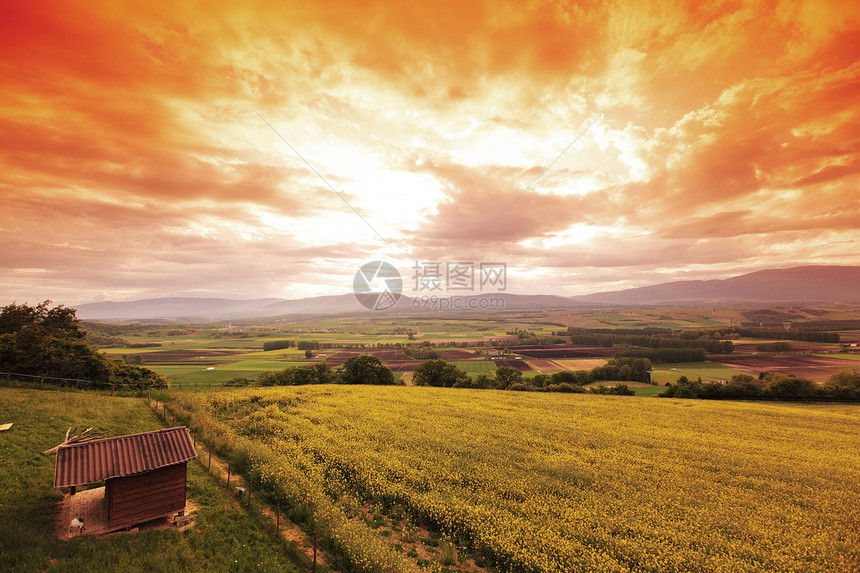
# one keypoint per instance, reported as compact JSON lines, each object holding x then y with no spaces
{"x":89,"y":462}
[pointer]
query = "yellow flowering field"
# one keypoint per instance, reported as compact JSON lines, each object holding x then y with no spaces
{"x":558,"y":482}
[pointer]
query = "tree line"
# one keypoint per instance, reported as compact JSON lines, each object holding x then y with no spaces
{"x":444,"y":374}
{"x":791,"y":334}
{"x":301,"y":344}
{"x":361,"y":369}
{"x":368,"y":369}
{"x":649,"y":338}
{"x":804,"y":331}
{"x":843,"y":386}
{"x":834,"y":324}
{"x":50,"y":342}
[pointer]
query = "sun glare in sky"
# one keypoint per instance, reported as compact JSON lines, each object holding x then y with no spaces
{"x":268,"y":149}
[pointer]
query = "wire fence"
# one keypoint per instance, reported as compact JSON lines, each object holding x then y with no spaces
{"x":84,"y":384}
{"x":77,"y":383}
{"x":256,"y":503}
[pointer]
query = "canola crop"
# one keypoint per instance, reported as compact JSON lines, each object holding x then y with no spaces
{"x":561,"y":483}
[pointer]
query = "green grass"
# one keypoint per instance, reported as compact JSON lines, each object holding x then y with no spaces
{"x":223,"y":538}
{"x":648,"y":391}
{"x":692,"y":370}
{"x":259,"y":365}
{"x":842,"y":355}
{"x":475,"y":365}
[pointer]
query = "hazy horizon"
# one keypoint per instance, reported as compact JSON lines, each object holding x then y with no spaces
{"x":154,"y":154}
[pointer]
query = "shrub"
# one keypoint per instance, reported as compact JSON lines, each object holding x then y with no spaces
{"x":366,"y":369}
{"x":519,"y":387}
{"x":438,"y":373}
{"x":565,"y":387}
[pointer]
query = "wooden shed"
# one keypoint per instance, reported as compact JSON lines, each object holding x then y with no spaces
{"x":144,"y":474}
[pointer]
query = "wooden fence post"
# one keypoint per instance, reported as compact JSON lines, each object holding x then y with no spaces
{"x":315,"y":551}
{"x":228,"y":475}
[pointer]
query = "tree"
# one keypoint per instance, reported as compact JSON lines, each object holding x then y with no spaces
{"x":482,"y":381}
{"x":309,"y":353}
{"x":318,"y":373}
{"x":366,"y":369}
{"x":564,"y":377}
{"x":844,"y":385}
{"x":849,"y":379}
{"x":790,"y":387}
{"x":505,"y":376}
{"x":438,"y":373}
{"x":50,"y":342}
{"x":541,"y":380}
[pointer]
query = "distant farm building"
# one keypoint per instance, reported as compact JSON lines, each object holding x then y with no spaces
{"x":145,"y":474}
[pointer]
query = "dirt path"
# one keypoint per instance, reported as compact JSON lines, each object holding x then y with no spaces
{"x":218,"y":468}
{"x":418,"y":542}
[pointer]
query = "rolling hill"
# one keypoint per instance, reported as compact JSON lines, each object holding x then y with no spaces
{"x":806,"y":284}
{"x":829,"y":284}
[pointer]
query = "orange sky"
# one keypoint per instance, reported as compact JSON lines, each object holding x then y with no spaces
{"x":135,"y":164}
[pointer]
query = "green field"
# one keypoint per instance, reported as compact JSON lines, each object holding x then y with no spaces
{"x":194,"y":354}
{"x":474,"y":366}
{"x":223,"y":537}
{"x":843,"y":355}
{"x":675,"y":319}
{"x":692,"y":370}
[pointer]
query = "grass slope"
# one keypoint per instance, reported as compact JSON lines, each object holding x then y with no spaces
{"x":223,"y":538}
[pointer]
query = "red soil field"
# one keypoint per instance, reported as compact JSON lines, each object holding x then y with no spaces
{"x":565,"y":351}
{"x":180,"y":355}
{"x":544,"y":365}
{"x":394,"y":358}
{"x":796,"y":346}
{"x":457,"y":355}
{"x":386,"y":355}
{"x":805,"y":366}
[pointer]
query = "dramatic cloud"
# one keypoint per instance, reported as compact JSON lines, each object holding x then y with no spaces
{"x":269,"y":148}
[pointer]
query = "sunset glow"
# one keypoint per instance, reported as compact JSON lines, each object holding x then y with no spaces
{"x":137,"y":161}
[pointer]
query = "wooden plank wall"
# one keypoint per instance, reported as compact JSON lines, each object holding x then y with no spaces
{"x":137,"y":498}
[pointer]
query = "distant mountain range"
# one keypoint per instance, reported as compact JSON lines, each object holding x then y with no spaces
{"x":828,"y":284}
{"x":807,"y":284}
{"x":200,"y":309}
